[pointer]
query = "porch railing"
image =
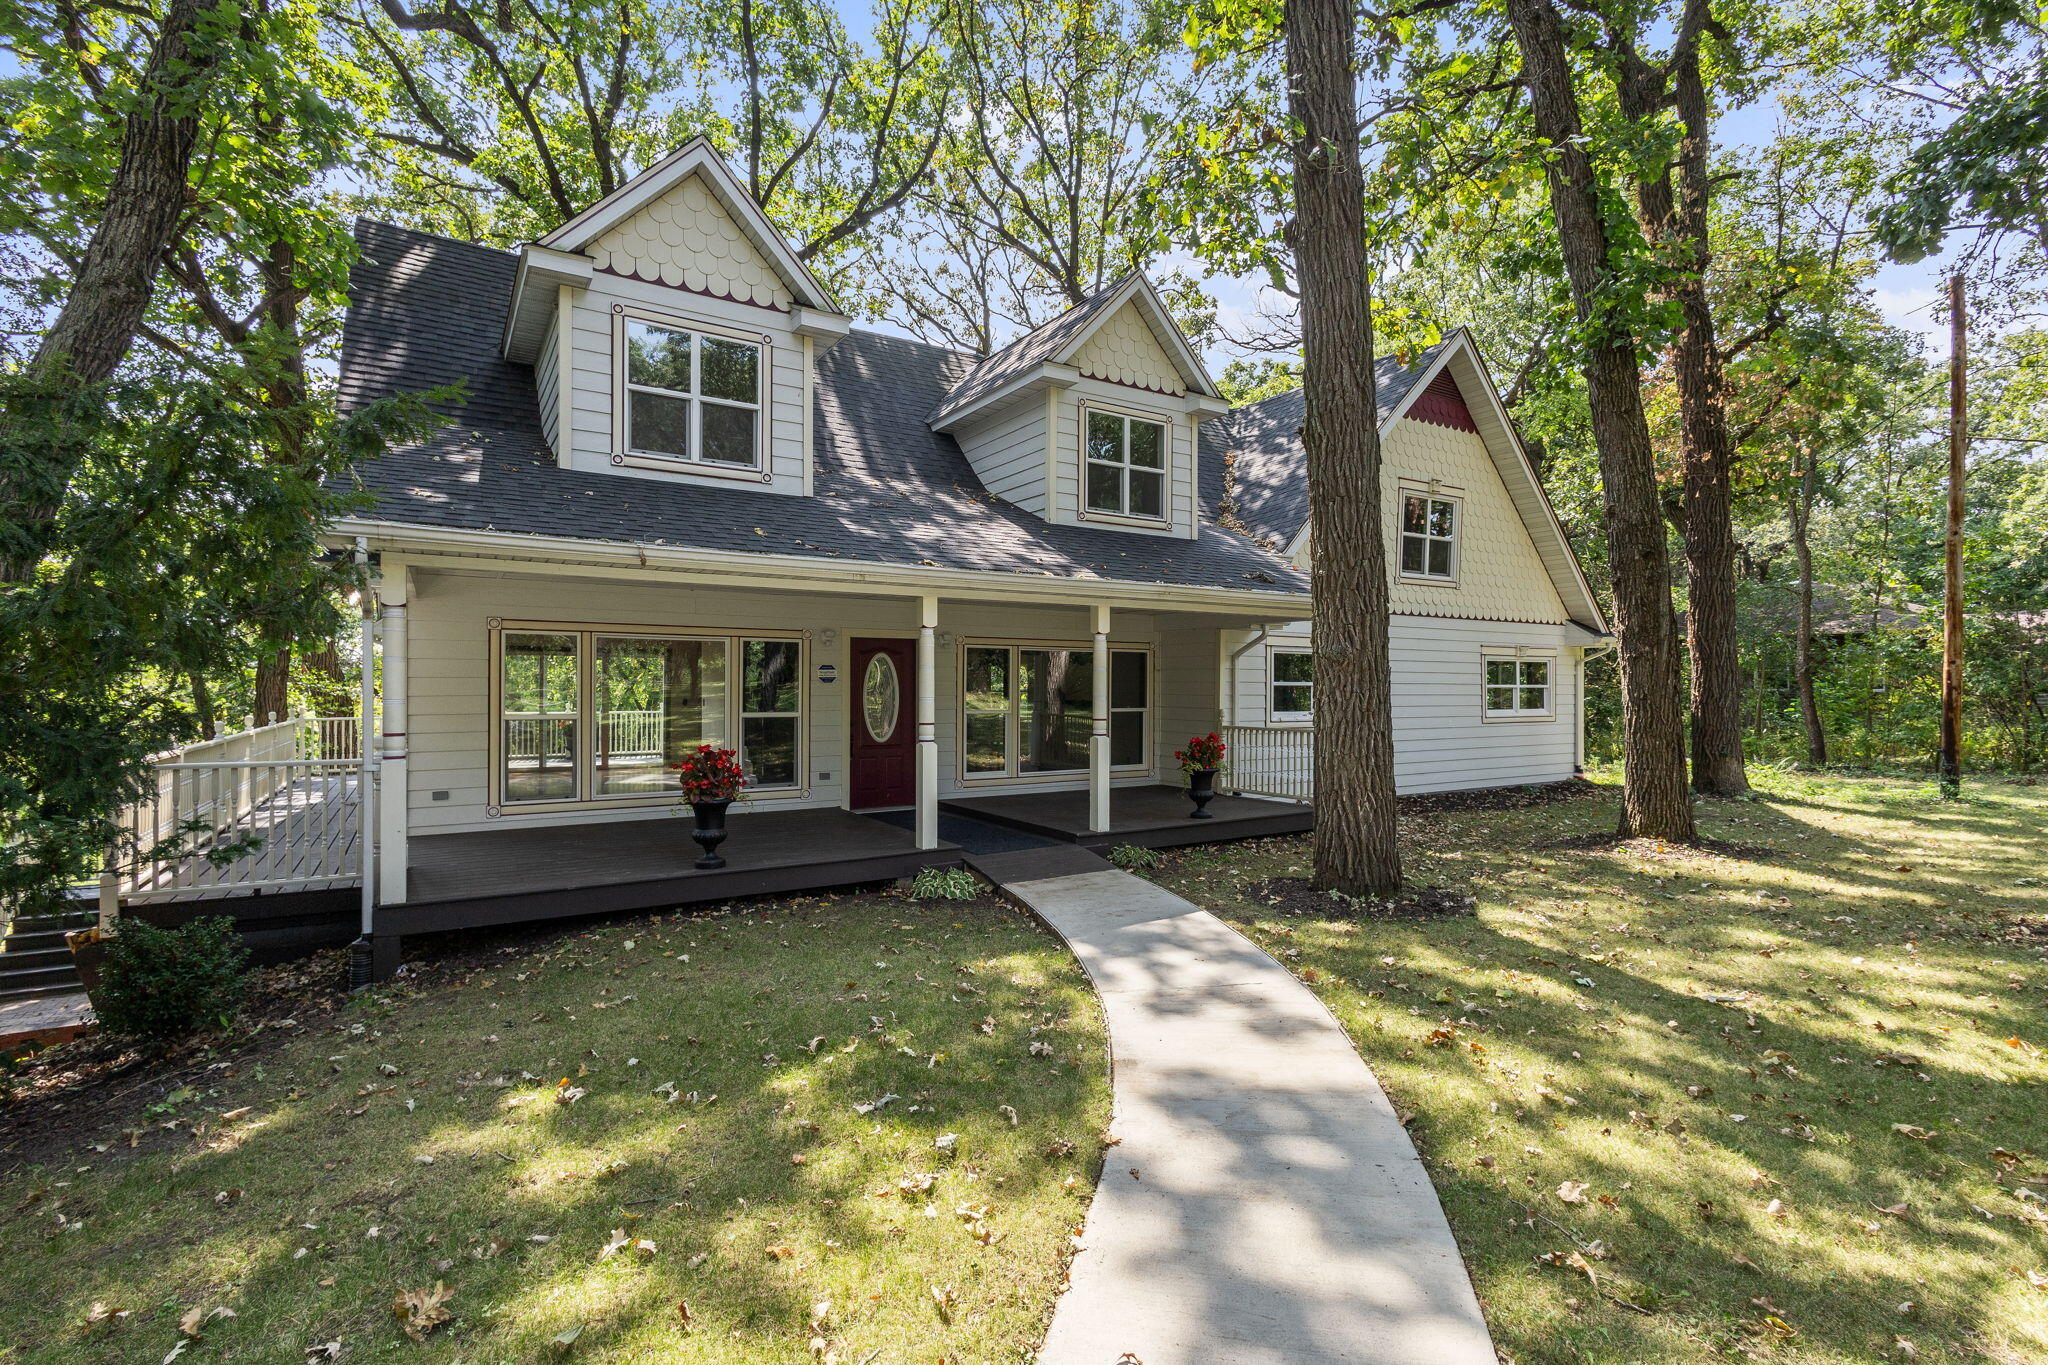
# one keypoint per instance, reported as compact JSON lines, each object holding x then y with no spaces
{"x":270,"y":807}
{"x":1271,"y":760}
{"x":534,"y":736}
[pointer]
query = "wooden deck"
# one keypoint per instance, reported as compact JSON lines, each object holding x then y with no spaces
{"x":515,"y":875}
{"x":309,"y":831}
{"x":1153,"y":817}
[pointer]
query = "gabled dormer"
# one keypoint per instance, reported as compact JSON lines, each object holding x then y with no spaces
{"x":1091,"y":419}
{"x":673,"y":332}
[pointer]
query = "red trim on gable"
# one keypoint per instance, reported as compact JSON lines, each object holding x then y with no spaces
{"x":1442,"y":405}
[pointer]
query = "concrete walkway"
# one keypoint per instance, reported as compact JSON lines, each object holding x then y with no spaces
{"x":1263,"y":1204}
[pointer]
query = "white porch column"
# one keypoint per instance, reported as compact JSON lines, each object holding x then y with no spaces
{"x":394,"y":590}
{"x":927,"y":722}
{"x":1098,"y":733}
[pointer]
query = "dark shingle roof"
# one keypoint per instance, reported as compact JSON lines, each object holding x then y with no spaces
{"x":1259,"y":447}
{"x":1027,"y":352}
{"x":425,"y":311}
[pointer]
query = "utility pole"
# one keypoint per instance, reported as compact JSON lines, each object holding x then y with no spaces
{"x":1951,"y":763}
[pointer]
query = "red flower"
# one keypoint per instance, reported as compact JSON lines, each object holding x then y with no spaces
{"x":1202,"y":752}
{"x":711,"y":774}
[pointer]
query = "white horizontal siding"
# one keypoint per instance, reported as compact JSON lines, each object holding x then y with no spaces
{"x":1442,"y":740}
{"x":1008,"y":453}
{"x":547,"y":382}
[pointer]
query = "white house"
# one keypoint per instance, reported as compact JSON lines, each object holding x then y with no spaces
{"x":686,"y":501}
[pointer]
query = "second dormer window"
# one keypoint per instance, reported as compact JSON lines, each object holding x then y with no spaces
{"x":1126,"y":466}
{"x":692,"y":396}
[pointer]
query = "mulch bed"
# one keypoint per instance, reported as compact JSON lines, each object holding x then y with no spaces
{"x":1296,"y":896}
{"x":1502,"y":798}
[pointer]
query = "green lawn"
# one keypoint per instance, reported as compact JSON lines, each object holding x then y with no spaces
{"x":691,"y":1083}
{"x":1693,"y":1106}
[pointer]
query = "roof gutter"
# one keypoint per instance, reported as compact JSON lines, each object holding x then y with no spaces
{"x":817,"y":575}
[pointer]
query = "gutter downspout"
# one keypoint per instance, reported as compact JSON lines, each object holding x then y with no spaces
{"x":359,"y":959}
{"x":1229,"y":711}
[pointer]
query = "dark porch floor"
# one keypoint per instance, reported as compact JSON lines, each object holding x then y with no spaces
{"x":507,"y":876}
{"x":1155,"y":816}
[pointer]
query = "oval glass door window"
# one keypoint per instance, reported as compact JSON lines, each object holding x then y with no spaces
{"x":881,"y":697}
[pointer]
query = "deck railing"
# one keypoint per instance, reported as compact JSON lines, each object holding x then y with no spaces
{"x":1271,"y":760}
{"x":265,"y":808}
{"x":533,"y":736}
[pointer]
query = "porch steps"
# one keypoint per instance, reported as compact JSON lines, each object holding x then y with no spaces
{"x":34,"y":960}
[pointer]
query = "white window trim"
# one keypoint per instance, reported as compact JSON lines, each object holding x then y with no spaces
{"x":586,"y":633}
{"x":1166,"y":429}
{"x":1273,"y":684}
{"x":1010,"y":774}
{"x":1407,"y":490}
{"x":623,"y":452}
{"x":1519,"y":655}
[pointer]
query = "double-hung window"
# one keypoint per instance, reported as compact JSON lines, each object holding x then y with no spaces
{"x":1025,"y":709}
{"x":604,"y":714}
{"x":1429,"y":536}
{"x":1126,"y":466}
{"x":1518,"y":689}
{"x":691,"y":396}
{"x":1294,"y":684}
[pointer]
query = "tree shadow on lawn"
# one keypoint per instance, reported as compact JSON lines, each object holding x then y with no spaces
{"x":1632,"y":1086}
{"x":429,"y":1140}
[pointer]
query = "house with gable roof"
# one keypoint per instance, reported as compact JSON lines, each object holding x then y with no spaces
{"x":923,"y":595}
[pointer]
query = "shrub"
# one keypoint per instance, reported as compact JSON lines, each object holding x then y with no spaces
{"x":1134,"y":857}
{"x":944,"y":884}
{"x":160,"y":985}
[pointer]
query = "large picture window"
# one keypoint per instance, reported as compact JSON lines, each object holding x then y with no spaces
{"x":691,"y":395}
{"x":651,"y":697}
{"x":1125,"y":470}
{"x":1026,"y":710}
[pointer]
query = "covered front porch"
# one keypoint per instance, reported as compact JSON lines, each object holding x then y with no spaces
{"x":1152,"y":816}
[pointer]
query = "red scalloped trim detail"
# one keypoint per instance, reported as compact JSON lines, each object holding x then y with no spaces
{"x":660,"y":283}
{"x":1442,"y":405}
{"x":1127,"y":384}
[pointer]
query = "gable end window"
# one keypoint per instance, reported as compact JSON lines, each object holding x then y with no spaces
{"x":1293,"y":684}
{"x":1124,"y":474}
{"x":1429,"y":537}
{"x":690,"y":395}
{"x":1518,"y":689}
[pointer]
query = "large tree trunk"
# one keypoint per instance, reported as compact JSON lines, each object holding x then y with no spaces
{"x":94,"y":328}
{"x":1677,"y":220}
{"x":1356,"y":848}
{"x":1707,"y":453}
{"x":273,"y":686}
{"x":1655,"y":802}
{"x":1802,"y":655}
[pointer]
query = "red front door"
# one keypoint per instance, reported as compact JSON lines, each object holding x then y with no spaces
{"x":884,"y":752}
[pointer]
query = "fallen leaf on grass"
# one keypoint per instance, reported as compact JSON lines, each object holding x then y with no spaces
{"x":1911,"y":1131}
{"x":944,"y":1297}
{"x":640,"y":1247}
{"x":422,"y":1310}
{"x":195,"y":1319}
{"x":1572,"y":1191}
{"x":564,"y":1340}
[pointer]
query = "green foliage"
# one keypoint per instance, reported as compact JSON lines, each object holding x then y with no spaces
{"x":1134,"y":857}
{"x":944,"y":884}
{"x":160,"y":985}
{"x":1249,"y":381}
{"x":168,"y":539}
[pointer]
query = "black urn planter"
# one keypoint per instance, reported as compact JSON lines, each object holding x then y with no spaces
{"x":1202,"y":790}
{"x":710,"y":832}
